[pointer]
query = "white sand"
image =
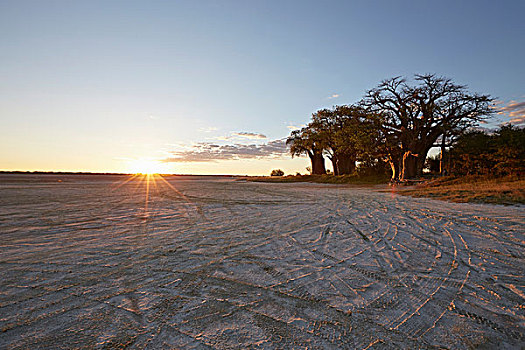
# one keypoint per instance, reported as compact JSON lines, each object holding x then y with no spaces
{"x":227,"y":264}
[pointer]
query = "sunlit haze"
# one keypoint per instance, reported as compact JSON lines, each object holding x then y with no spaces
{"x":214,"y":87}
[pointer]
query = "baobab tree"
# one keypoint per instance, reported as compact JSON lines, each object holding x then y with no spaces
{"x":307,"y":141}
{"x":333,"y":129}
{"x":347,"y":133}
{"x":326,"y":124}
{"x":417,"y":115}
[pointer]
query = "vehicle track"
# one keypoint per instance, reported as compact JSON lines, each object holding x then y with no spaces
{"x":225,"y":264}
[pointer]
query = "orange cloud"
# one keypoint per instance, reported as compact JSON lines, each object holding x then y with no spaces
{"x":514,"y":110}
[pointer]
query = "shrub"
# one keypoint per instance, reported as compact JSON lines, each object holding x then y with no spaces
{"x":478,"y":153}
{"x":277,"y":172}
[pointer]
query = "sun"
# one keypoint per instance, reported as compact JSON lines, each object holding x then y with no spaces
{"x":146,"y":166}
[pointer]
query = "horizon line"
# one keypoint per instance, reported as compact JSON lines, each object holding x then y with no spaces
{"x":53,"y":172}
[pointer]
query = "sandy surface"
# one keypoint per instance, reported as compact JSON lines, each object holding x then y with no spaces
{"x":213,"y":263}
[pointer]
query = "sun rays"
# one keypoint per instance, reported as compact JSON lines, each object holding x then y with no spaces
{"x":152,"y":185}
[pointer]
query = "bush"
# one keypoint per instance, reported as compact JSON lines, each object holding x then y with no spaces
{"x":500,"y":154}
{"x":373,"y":167}
{"x":277,"y":172}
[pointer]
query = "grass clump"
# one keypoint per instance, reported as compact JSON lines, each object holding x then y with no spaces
{"x":472,"y":189}
{"x":327,"y":179}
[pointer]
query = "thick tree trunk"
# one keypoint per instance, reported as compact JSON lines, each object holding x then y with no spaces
{"x":399,"y":168}
{"x":318,"y":167}
{"x":442,"y":155}
{"x":334,"y":165}
{"x":394,"y":166}
{"x":413,"y":163}
{"x":410,"y":166}
{"x":346,"y":165}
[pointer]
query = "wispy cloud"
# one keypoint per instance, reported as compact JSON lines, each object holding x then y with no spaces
{"x":208,"y":129}
{"x":249,"y":135}
{"x":295,"y":127}
{"x":518,"y":120}
{"x":206,"y":152}
{"x":333,"y":96}
{"x":515,"y":111}
{"x":241,"y":135}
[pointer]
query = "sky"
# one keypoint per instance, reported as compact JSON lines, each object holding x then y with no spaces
{"x":213,"y":87}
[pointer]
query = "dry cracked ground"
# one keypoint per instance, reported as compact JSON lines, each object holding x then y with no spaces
{"x":197,"y":263}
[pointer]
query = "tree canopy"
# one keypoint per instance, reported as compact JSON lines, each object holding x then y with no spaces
{"x":417,"y":115}
{"x":396,"y":122}
{"x":479,"y":153}
{"x":307,"y":141}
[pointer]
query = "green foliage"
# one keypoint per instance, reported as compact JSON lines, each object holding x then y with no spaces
{"x":346,"y":134}
{"x":308,"y":141}
{"x":343,"y":179}
{"x":371,"y":167}
{"x":478,"y":153}
{"x":305,"y":141}
{"x":416,"y":115}
{"x":509,"y":156}
{"x":397,"y":123}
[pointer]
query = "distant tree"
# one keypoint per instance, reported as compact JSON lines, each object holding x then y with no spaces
{"x":478,"y":153}
{"x":277,"y":172}
{"x":509,"y":155}
{"x":307,"y":141}
{"x":347,"y":134}
{"x":415,"y":116}
{"x":325,"y":123}
{"x":471,"y":154}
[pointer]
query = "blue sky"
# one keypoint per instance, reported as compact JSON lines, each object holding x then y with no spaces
{"x":98,"y":85}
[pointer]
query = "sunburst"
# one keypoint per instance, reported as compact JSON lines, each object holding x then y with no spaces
{"x":147,"y":166}
{"x":148,"y":183}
